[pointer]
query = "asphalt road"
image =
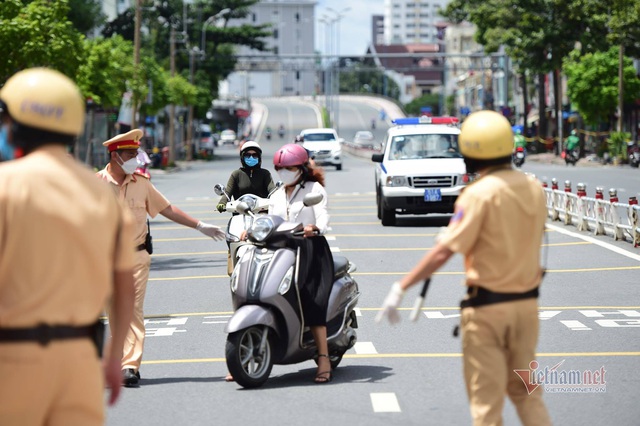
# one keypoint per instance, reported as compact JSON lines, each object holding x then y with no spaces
{"x":410,"y":374}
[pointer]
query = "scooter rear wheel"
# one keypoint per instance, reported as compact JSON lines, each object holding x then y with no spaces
{"x":249,"y":366}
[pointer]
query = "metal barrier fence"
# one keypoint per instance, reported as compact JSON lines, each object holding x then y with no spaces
{"x":594,"y":214}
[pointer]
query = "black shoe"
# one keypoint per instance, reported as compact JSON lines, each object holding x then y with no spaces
{"x":130,"y":377}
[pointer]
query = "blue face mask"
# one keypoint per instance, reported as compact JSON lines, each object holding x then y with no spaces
{"x":7,"y":152}
{"x":251,"y":161}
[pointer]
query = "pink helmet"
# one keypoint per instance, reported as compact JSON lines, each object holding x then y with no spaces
{"x":291,"y":155}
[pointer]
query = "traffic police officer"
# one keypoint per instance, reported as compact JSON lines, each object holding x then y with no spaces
{"x":66,"y":249}
{"x":498,"y":224}
{"x":142,"y":197}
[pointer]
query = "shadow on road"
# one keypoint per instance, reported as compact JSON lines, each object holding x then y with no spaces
{"x":422,"y":221}
{"x":199,"y":262}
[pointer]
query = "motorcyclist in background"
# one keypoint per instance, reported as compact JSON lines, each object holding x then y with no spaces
{"x":281,"y":131}
{"x":250,"y":178}
{"x":571,"y":145}
{"x":519,"y":141}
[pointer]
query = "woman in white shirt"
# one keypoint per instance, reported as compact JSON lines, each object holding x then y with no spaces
{"x":300,"y":177}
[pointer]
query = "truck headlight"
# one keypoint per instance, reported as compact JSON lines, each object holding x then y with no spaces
{"x":397,"y":181}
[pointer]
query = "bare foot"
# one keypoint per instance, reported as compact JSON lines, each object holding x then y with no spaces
{"x":228,"y":378}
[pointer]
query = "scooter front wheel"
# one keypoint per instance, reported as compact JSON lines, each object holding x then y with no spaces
{"x":249,"y":363}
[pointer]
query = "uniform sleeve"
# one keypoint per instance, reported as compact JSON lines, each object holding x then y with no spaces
{"x":124,"y":259}
{"x":463,"y":230}
{"x":320,"y":209}
{"x":156,"y":202}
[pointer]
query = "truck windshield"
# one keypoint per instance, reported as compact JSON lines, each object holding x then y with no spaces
{"x":412,"y":147}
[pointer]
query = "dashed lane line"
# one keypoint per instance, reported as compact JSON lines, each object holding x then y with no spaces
{"x":384,"y":402}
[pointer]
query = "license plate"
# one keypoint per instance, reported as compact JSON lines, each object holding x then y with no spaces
{"x":519,"y":155}
{"x":431,"y":195}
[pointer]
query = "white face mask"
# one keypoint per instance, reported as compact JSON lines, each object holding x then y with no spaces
{"x":288,"y":177}
{"x":128,"y":166}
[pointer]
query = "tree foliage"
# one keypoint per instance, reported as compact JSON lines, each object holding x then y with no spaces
{"x":86,"y":15}
{"x":37,"y":33}
{"x":592,"y":82}
{"x":361,"y":78}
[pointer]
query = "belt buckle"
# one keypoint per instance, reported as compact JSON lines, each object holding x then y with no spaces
{"x":44,"y":334}
{"x":473,"y":292}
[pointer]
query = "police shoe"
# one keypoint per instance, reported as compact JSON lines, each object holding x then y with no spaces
{"x":130,"y":377}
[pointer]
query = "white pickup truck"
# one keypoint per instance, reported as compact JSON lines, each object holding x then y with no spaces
{"x":420,"y":169}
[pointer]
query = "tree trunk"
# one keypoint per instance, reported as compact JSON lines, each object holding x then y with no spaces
{"x":542,"y":108}
{"x":620,"y":88}
{"x":525,"y":100}
{"x":557,"y":93}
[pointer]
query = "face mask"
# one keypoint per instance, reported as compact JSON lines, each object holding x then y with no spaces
{"x":251,"y":161}
{"x":288,"y":177}
{"x":129,"y":166}
{"x":7,"y":152}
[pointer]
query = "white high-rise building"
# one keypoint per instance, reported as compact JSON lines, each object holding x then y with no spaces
{"x":412,"y":21}
{"x":277,"y":72}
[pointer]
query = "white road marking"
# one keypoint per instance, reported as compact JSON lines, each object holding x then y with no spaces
{"x":330,"y":238}
{"x":365,"y":348}
{"x":575,"y":325}
{"x":168,"y":321}
{"x":545,"y":315}
{"x":597,"y":314}
{"x":217,"y":317}
{"x":595,"y":241}
{"x":358,"y":312}
{"x":385,"y":402}
{"x":197,"y":198}
{"x":335,"y":249}
{"x":439,"y":315}
{"x":162,"y":332}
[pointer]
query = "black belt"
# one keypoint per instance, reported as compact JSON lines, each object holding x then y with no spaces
{"x":44,"y":333}
{"x":479,"y":296}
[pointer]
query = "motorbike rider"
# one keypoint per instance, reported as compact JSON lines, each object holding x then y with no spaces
{"x":315,"y":277}
{"x":519,"y":141}
{"x":498,"y":225}
{"x":267,"y":132}
{"x":571,"y":143}
{"x":250,"y":178}
{"x":281,"y":131}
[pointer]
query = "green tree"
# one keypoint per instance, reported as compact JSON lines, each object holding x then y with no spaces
{"x":592,"y":83}
{"x":86,"y":14}
{"x":363,"y":78}
{"x":428,"y":100}
{"x":37,"y":33}
{"x":106,"y":69}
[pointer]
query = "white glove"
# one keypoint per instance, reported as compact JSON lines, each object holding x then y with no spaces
{"x":211,"y":231}
{"x":391,"y":303}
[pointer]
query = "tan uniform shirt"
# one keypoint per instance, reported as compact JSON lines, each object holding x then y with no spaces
{"x":498,"y":226}
{"x":141,"y":196}
{"x":62,"y":235}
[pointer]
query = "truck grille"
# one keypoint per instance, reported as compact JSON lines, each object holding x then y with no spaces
{"x":432,"y":181}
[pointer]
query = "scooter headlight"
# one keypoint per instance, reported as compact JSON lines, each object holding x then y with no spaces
{"x":285,"y":284}
{"x":261,"y":228}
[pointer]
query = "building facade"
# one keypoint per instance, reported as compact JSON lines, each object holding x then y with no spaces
{"x":412,"y":21}
{"x":288,"y":67}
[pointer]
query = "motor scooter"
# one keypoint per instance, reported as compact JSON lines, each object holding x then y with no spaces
{"x":633,"y":153}
{"x":571,"y":156}
{"x":238,"y":222}
{"x":267,"y":326}
{"x":518,"y":156}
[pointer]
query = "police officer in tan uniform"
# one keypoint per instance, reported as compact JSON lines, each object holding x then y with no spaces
{"x":65,"y":250}
{"x":498,"y":226}
{"x":142,"y":197}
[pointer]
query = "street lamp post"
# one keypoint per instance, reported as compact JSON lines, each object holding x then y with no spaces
{"x":339,"y":15}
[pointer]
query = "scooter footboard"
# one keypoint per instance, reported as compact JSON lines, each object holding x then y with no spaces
{"x":251,"y":315}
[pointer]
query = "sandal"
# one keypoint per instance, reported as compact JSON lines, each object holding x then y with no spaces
{"x":229,"y":378}
{"x":324,"y":376}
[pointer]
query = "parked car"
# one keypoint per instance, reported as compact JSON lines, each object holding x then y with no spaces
{"x":364,"y":139}
{"x":324,"y":146}
{"x":228,"y":137}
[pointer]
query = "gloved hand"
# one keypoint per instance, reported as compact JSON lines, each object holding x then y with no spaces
{"x":391,"y":303}
{"x":221,"y":207}
{"x":211,"y":231}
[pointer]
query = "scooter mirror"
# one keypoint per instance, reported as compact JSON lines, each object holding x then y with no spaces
{"x":312,"y":199}
{"x":279,"y":185}
{"x":219,"y":189}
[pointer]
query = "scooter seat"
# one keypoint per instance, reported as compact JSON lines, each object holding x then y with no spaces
{"x":340,"y":266}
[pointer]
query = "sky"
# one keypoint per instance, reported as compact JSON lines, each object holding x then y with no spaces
{"x":354,"y":27}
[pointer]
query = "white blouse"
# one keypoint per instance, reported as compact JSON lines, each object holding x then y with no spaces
{"x":292,"y":208}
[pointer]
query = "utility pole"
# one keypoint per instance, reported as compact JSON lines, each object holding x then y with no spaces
{"x":136,"y":60}
{"x":620,"y":87}
{"x":190,"y":119}
{"x":172,"y":107}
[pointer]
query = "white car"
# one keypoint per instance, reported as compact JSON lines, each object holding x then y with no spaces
{"x":420,"y":170}
{"x":228,"y":137}
{"x":324,"y":146}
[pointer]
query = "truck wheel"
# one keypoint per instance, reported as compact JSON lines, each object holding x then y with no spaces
{"x":339,"y":167}
{"x":387,"y":216}
{"x":379,"y":206}
{"x":249,"y":367}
